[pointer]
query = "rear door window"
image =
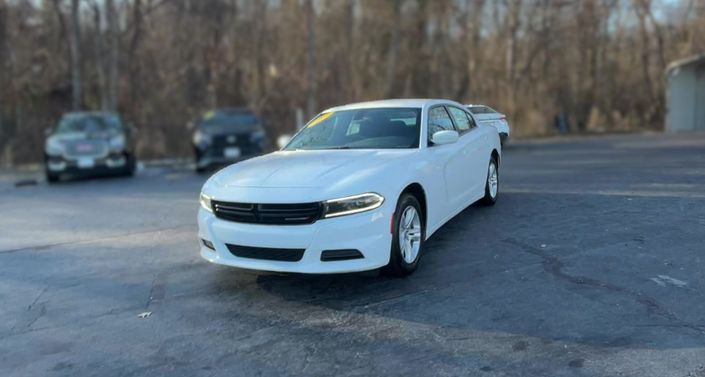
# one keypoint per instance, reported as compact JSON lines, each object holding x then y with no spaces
{"x":462,"y":120}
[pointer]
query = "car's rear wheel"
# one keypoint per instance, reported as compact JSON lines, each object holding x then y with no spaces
{"x":492,"y":183}
{"x":408,"y":237}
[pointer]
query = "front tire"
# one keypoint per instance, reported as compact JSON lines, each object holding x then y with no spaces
{"x":491,"y":183}
{"x":408,"y":237}
{"x":52,"y":178}
{"x":130,"y":166}
{"x":197,"y":155}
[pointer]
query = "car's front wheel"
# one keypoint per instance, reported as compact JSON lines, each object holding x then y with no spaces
{"x":130,"y":165}
{"x":52,"y":178}
{"x":197,"y":159}
{"x":408,"y":237}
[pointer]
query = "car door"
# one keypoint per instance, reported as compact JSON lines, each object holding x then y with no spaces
{"x":475,"y":159}
{"x":449,"y":157}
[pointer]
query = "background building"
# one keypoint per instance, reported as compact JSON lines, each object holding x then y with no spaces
{"x":685,"y":94}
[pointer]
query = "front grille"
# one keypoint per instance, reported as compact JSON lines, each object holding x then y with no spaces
{"x":284,"y":255}
{"x":241,"y":140}
{"x":86,"y":148}
{"x":273,"y":214}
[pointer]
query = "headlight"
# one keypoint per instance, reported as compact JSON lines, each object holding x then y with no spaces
{"x":352,"y":204}
{"x":54,"y":147}
{"x":205,"y":202}
{"x":117,"y":142}
{"x":202,"y":138}
{"x":257,"y":136}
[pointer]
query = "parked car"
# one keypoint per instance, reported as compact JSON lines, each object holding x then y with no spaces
{"x":361,"y":186}
{"x":227,"y":135}
{"x":88,"y":143}
{"x":487,"y":115}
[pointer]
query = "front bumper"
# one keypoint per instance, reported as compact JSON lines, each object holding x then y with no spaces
{"x":215,"y":155}
{"x":367,"y":232}
{"x":109,"y":164}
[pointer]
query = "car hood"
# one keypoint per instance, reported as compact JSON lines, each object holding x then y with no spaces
{"x":225,"y":129}
{"x":73,"y":136}
{"x":307,"y":169}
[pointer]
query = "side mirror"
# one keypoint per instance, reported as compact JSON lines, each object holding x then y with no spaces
{"x":48,"y":131}
{"x":445,"y":137}
{"x":190,"y":126}
{"x":283,"y":140}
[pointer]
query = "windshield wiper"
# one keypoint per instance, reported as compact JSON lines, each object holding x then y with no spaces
{"x":340,"y":147}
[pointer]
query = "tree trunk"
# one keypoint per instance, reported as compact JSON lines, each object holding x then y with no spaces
{"x":393,"y":50}
{"x":75,"y":45}
{"x":132,"y":61}
{"x":113,"y":43}
{"x":312,"y":75}
{"x":99,"y":57}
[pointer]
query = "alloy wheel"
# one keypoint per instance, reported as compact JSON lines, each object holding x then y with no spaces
{"x":409,"y":234}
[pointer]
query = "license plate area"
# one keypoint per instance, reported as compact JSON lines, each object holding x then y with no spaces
{"x":85,"y":162}
{"x":232,"y":152}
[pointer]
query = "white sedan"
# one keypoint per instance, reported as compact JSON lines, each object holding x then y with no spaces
{"x":360,"y":187}
{"x":487,"y":115}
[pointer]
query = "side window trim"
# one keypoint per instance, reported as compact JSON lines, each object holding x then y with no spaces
{"x":471,"y":116}
{"x":429,"y":143}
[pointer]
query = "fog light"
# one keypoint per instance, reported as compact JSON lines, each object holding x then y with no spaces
{"x":208,"y":244}
{"x":56,"y":165}
{"x":113,"y":162}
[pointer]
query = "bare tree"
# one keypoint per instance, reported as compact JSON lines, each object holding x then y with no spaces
{"x":76,"y":59}
{"x":113,"y":45}
{"x":311,"y":70}
{"x":537,"y":60}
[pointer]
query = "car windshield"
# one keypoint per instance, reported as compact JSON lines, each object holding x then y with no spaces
{"x":228,"y":120}
{"x":89,"y":123}
{"x":378,"y":128}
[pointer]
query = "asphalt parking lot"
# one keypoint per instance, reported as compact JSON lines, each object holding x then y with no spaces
{"x":592,"y":263}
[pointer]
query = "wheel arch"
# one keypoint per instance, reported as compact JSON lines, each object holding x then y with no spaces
{"x":495,"y":154}
{"x":419,"y":193}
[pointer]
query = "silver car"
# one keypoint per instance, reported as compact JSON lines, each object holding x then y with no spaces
{"x":88,"y":143}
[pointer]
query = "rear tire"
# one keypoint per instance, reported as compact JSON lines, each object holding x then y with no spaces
{"x":491,"y":183}
{"x":408,"y":234}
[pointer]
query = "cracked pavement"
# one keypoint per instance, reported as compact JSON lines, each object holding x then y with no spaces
{"x":592,"y":263}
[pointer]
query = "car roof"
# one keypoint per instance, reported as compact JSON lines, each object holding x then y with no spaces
{"x":232,"y":110}
{"x":410,"y":103}
{"x":89,"y":113}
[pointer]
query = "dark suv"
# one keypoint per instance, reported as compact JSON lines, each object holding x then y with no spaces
{"x":227,"y":135}
{"x":88,"y":142}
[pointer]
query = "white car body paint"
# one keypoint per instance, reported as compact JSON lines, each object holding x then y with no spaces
{"x":492,"y":118}
{"x":452,"y":176}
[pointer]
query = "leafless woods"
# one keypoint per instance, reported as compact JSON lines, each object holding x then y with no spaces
{"x":595,"y":65}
